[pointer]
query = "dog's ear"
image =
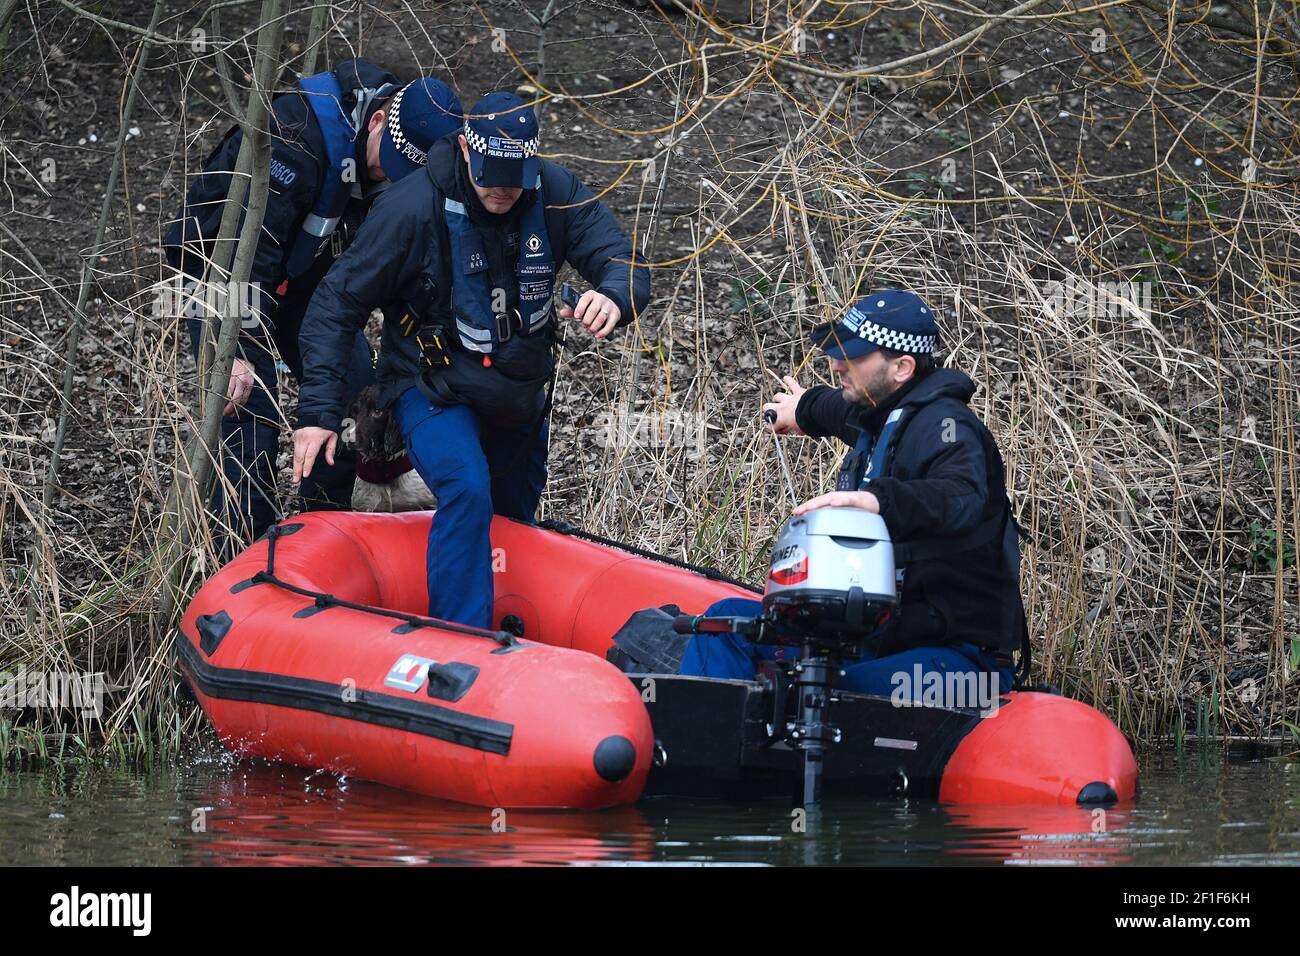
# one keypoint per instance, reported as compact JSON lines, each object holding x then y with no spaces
{"x":394,"y":441}
{"x":367,"y":398}
{"x":363,"y":402}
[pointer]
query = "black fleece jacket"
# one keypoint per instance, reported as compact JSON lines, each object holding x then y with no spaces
{"x":946,"y":478}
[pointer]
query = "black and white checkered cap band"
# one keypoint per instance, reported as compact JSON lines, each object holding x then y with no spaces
{"x":888,"y":338}
{"x":404,"y":145}
{"x":479,"y":144}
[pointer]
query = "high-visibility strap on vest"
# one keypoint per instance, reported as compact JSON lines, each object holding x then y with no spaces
{"x":483,"y":321}
{"x":339,"y":129}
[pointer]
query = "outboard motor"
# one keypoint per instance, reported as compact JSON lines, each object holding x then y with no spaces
{"x":831,"y":578}
{"x":830,"y":585}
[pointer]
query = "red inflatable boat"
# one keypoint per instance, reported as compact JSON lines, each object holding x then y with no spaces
{"x":311,"y":648}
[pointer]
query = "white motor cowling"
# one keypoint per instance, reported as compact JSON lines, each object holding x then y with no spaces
{"x":832,"y":574}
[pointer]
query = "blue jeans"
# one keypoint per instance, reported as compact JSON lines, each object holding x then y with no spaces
{"x":731,"y":656}
{"x":471,"y":468}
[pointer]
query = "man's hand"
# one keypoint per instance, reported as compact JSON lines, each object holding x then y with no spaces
{"x":842,"y":499}
{"x":784,"y":404}
{"x":307,"y":443}
{"x":242,"y":378}
{"x":597,"y":312}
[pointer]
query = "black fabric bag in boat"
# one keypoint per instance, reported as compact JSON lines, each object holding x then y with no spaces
{"x":647,"y":643}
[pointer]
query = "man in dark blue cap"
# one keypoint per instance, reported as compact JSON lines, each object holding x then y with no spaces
{"x":338,"y":141}
{"x":463,"y":260}
{"x":925,"y":463}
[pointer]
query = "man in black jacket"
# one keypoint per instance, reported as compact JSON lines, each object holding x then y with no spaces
{"x":463,"y":260}
{"x":927,"y":465}
{"x":337,"y":141}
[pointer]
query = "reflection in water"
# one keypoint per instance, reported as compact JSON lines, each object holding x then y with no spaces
{"x":257,"y":819}
{"x":1037,"y":835}
{"x":219,"y":812}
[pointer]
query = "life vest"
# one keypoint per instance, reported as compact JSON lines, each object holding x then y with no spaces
{"x":339,"y":129}
{"x":872,"y":455}
{"x":482,"y":324}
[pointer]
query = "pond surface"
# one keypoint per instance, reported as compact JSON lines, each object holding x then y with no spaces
{"x":1200,"y":809}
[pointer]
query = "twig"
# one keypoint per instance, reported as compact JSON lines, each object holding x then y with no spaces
{"x":78,"y":315}
{"x":148,"y":33}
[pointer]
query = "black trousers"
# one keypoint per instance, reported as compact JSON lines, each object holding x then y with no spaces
{"x":246,"y":502}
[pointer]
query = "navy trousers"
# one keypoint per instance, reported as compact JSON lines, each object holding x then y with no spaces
{"x":474,"y":470}
{"x":731,"y":656}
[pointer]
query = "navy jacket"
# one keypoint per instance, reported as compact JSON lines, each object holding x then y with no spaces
{"x":945,"y":481}
{"x":400,"y":240}
{"x":298,"y":167}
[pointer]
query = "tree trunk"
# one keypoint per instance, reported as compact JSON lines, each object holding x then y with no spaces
{"x":254,"y":155}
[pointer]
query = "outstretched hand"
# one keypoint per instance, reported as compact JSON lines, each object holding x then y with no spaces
{"x":307,"y":443}
{"x":785,"y":404}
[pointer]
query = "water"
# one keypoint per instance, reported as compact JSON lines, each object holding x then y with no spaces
{"x":1201,"y":810}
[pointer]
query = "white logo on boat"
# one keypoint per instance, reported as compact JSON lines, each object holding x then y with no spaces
{"x":409,"y":673}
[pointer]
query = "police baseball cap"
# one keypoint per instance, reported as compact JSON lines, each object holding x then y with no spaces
{"x":503,"y":138}
{"x":889,"y":319}
{"x":422,"y":112}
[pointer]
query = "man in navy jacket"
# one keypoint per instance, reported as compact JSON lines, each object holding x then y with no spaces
{"x":337,"y":141}
{"x":463,"y":260}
